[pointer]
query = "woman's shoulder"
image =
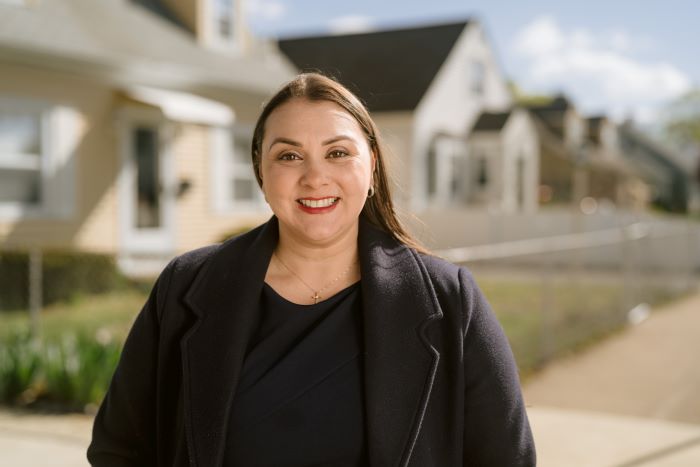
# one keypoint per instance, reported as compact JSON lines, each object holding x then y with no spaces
{"x":446,"y":274}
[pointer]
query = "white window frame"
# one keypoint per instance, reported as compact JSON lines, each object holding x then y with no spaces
{"x":59,"y":129}
{"x":213,"y":34}
{"x":477,"y":77}
{"x":450,"y":152}
{"x":224,"y":168}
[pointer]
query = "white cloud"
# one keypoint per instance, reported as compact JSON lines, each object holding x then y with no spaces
{"x":351,"y":24}
{"x":269,"y":10}
{"x":598,"y":70}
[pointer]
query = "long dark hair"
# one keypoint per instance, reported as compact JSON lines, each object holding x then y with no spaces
{"x":379,"y":209}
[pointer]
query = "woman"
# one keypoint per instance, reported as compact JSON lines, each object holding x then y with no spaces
{"x":326,"y":336}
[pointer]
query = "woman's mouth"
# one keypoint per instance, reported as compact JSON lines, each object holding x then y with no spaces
{"x":318,"y":205}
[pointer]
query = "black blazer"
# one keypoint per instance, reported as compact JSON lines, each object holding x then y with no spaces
{"x":441,"y":386}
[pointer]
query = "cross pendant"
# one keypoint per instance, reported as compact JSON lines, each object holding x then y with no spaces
{"x":315,"y":296}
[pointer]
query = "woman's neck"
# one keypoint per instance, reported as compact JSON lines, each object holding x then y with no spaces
{"x":300,"y":270}
{"x":295,"y":251}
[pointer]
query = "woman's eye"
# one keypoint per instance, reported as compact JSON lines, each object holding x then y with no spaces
{"x":288,"y":156}
{"x":337,"y":153}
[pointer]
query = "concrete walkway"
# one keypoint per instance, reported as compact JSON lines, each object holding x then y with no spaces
{"x":31,"y":440}
{"x":632,"y":400}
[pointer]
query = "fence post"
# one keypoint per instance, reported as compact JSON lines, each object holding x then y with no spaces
{"x":35,"y":289}
{"x":546,"y":347}
{"x":690,"y":253}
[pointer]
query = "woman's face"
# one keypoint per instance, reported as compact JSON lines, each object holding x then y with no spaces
{"x":316,"y":168}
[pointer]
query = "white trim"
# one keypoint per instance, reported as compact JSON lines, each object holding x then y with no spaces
{"x":159,"y":240}
{"x":224,"y":169}
{"x":448,"y":151}
{"x":59,"y":134}
{"x":213,"y":37}
{"x":184,"y":107}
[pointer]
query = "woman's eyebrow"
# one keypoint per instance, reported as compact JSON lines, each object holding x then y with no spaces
{"x":291,"y":142}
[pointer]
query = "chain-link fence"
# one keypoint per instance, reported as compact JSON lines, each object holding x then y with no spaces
{"x":556,"y":294}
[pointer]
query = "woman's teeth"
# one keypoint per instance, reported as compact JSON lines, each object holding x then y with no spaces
{"x":318,"y":203}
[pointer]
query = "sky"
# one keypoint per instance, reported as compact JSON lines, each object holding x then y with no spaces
{"x":621,"y":58}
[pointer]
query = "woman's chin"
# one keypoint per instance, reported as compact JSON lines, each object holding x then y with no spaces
{"x":319,"y":232}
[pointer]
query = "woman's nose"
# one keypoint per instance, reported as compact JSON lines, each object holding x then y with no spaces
{"x":314,"y":173}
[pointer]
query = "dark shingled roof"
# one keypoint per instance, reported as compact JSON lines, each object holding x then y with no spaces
{"x":552,"y":114}
{"x":388,"y":70}
{"x":491,"y":121}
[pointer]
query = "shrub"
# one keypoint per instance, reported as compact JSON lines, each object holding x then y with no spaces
{"x":65,"y":275}
{"x":19,"y":362}
{"x":70,"y":373}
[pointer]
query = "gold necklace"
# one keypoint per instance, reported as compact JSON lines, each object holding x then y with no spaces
{"x":316,"y":293}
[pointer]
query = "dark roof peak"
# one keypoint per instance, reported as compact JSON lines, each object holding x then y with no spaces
{"x":491,"y":121}
{"x":382,"y":29}
{"x":389,"y":69}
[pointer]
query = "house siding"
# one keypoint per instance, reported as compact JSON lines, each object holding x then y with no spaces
{"x":520,"y":141}
{"x":91,"y":224}
{"x":197,"y":222}
{"x":450,"y":106}
{"x":395,"y":129}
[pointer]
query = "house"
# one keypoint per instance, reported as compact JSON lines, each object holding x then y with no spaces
{"x":582,"y":158}
{"x":125,"y":125}
{"x":426,"y":87}
{"x":673,"y":187}
{"x":504,"y":147}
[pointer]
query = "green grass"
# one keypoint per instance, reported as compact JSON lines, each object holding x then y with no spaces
{"x":110,"y":314}
{"x":72,"y":362}
{"x":545,"y":320}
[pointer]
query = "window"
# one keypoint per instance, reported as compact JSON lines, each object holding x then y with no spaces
{"x":36,"y":159}
{"x":148,"y":197}
{"x":235,"y":185}
{"x":478,"y":77}
{"x":21,"y":155}
{"x":223,"y":18}
{"x":445,"y":170}
{"x":482,"y":173}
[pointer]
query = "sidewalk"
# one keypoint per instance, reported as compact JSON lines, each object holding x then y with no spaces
{"x":29,"y":440}
{"x":632,"y":400}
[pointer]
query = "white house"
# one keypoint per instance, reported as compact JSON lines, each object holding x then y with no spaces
{"x":426,"y":86}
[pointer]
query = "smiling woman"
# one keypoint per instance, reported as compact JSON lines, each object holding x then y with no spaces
{"x":326,"y":336}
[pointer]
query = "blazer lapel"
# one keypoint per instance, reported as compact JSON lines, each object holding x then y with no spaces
{"x":400,"y":362}
{"x":225,"y":297}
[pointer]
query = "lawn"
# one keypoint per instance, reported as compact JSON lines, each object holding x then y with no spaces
{"x":80,"y":341}
{"x":109,"y":314}
{"x":546,"y":318}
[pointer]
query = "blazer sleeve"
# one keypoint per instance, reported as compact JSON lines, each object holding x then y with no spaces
{"x":497,"y":431}
{"x":124,"y":431}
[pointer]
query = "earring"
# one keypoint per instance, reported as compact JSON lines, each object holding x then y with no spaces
{"x":371,"y":191}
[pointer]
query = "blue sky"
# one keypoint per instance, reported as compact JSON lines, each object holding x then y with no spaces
{"x":620,"y":57}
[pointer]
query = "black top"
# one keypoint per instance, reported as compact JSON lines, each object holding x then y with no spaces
{"x":300,"y":399}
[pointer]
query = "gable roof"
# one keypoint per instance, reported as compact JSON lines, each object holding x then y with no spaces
{"x":119,"y":39}
{"x":388,"y":70}
{"x":552,"y":113}
{"x":489,"y":121}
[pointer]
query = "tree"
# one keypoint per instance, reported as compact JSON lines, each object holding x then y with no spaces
{"x":681,"y":123}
